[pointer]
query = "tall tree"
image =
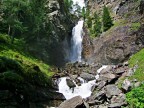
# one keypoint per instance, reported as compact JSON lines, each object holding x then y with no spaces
{"x":13,"y":15}
{"x":97,"y":25}
{"x":106,"y":19}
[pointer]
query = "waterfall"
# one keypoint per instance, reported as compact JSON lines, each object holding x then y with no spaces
{"x":77,"y":37}
{"x":76,"y":42}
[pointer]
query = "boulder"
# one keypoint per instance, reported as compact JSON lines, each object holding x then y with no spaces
{"x":107,"y":69}
{"x":126,"y":85}
{"x":70,"y":83}
{"x":75,"y":102}
{"x":101,"y":85}
{"x":107,"y":77}
{"x":120,"y":70}
{"x":115,"y":105}
{"x":112,"y":90}
{"x":87,"y":76}
{"x":121,"y":98}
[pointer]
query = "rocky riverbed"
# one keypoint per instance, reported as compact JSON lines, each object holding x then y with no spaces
{"x":109,"y":88}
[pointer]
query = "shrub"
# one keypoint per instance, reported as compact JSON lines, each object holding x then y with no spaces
{"x":135,"y":98}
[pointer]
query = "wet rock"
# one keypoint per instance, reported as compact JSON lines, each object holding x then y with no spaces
{"x":112,"y":90}
{"x":87,"y":76}
{"x":70,"y":83}
{"x":75,"y":102}
{"x":126,"y":85}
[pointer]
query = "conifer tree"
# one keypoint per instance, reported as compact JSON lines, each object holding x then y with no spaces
{"x":106,"y":19}
{"x":97,"y":25}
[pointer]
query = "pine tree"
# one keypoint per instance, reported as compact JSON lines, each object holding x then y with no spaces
{"x":97,"y":25}
{"x":106,"y":19}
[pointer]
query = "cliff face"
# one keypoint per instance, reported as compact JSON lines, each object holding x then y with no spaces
{"x":125,"y":38}
{"x":50,"y":48}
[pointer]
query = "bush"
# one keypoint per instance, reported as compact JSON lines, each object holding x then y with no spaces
{"x":106,"y":19}
{"x":135,"y":98}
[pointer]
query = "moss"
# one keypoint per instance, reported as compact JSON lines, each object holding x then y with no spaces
{"x":135,"y":26}
{"x":138,"y":59}
{"x":14,"y":58}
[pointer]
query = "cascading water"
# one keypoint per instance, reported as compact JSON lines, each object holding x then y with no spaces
{"x":75,"y":55}
{"x":76,"y":42}
{"x":84,"y":90}
{"x":77,"y":37}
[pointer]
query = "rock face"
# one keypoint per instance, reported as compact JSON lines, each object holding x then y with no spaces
{"x":53,"y":52}
{"x":76,"y":102}
{"x":122,"y":40}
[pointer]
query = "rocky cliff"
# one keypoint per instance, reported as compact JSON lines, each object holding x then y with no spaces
{"x":125,"y":37}
{"x":50,"y":48}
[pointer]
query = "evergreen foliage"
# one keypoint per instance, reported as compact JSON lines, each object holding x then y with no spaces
{"x":106,"y":19}
{"x":97,"y":25}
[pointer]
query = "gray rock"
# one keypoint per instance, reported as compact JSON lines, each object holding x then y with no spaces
{"x":107,"y":77}
{"x":130,"y":72}
{"x":87,"y":76}
{"x":75,"y":102}
{"x":70,"y":83}
{"x":99,"y":96}
{"x":115,"y":105}
{"x":120,"y":70}
{"x":107,"y":69}
{"x":112,"y":90}
{"x":101,"y":85}
{"x":121,"y":98}
{"x":137,"y":84}
{"x":126,"y":85}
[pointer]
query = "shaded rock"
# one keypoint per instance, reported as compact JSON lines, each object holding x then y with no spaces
{"x":126,"y":85}
{"x":115,"y":105}
{"x":107,"y":77}
{"x":121,"y":98}
{"x":99,"y":96}
{"x":70,"y":83}
{"x":87,"y":76}
{"x":112,"y":90}
{"x":101,"y":85}
{"x":120,"y":70}
{"x":75,"y":102}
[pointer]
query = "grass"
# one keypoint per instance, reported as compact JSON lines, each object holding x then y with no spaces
{"x":33,"y":70}
{"x":135,"y":26}
{"x":138,"y":59}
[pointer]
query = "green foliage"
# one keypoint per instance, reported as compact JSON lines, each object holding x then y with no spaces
{"x":68,"y":4}
{"x":135,"y":98}
{"x":138,"y":59}
{"x":97,"y":25}
{"x":106,"y":19}
{"x":89,"y":22}
{"x":14,"y":59}
{"x":135,"y":26}
{"x":13,"y":14}
{"x":83,"y":13}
